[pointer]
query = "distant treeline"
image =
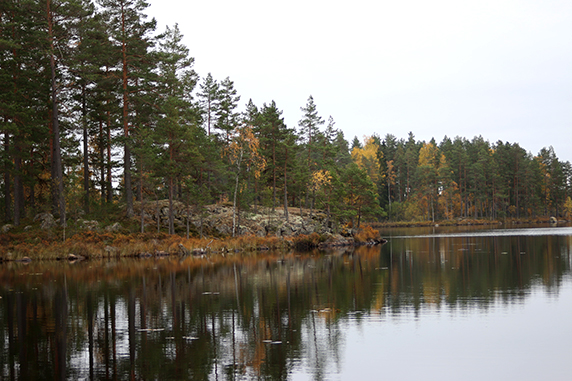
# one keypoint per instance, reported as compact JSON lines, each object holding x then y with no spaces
{"x":98,"y":108}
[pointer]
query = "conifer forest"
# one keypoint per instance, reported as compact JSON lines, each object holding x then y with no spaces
{"x":99,"y":108}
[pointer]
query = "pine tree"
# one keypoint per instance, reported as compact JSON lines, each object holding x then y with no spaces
{"x":130,"y":33}
{"x":57,"y":172}
{"x":90,"y":54}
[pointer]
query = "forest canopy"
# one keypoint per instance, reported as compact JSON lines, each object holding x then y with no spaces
{"x":97,"y":108}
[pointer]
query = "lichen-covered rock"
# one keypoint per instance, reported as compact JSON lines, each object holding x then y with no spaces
{"x":113,"y":228}
{"x":6,"y":228}
{"x":47,"y":220}
{"x":223,"y":229}
{"x":261,"y":221}
{"x":92,"y":225}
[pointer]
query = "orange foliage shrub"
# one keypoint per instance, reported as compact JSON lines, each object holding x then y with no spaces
{"x":366,"y":233}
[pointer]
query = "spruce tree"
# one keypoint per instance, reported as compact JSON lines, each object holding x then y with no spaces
{"x":209,"y":96}
{"x":172,"y":134}
{"x":272,"y":133}
{"x":226,"y":117}
{"x":23,"y":109}
{"x":310,"y":127}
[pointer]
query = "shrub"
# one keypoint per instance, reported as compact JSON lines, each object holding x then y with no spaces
{"x":366,"y":233}
{"x":305,"y":242}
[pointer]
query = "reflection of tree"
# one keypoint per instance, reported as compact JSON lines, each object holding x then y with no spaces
{"x":248,"y":317}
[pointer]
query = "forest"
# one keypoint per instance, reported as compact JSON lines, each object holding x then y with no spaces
{"x":99,"y":108}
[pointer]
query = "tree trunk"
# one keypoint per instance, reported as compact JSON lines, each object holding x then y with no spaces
{"x":18,"y":187}
{"x":158,"y":212}
{"x":85,"y":151}
{"x":57,"y":180}
{"x":141,"y":199}
{"x":101,"y":155}
{"x":273,"y":176}
{"x":109,"y":183}
{"x":234,"y":207}
{"x":171,"y":213}
{"x":239,"y":161}
{"x":127,"y":150}
{"x":286,"y":187}
{"x":7,"y":186}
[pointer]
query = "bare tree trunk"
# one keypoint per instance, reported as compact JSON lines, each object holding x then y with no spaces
{"x":127,"y":150}
{"x":171,"y":213}
{"x":286,"y":187}
{"x":142,"y":205}
{"x":101,"y":162}
{"x":18,"y":187}
{"x":109,"y":176}
{"x":85,"y":151}
{"x":57,"y":180}
{"x":273,"y":176}
{"x":7,"y":186}
{"x":158,"y":212}
{"x":239,"y":161}
{"x":234,"y":206}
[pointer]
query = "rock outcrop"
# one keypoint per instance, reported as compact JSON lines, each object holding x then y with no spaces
{"x":47,"y":220}
{"x":216,"y":220}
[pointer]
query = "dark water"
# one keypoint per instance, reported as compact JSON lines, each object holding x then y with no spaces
{"x":438,"y":304}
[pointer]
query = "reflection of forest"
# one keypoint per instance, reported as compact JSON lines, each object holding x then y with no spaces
{"x":247,"y":317}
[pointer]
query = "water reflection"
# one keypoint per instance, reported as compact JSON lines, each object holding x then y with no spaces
{"x":249,"y":317}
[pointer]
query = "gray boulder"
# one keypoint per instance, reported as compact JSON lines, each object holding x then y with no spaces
{"x":47,"y":220}
{"x":89,"y":225}
{"x":113,"y":228}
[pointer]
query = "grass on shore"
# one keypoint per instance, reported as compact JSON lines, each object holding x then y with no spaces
{"x":45,"y":245}
{"x":48,"y":244}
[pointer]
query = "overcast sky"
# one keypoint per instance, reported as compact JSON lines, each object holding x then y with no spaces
{"x":497,"y":68}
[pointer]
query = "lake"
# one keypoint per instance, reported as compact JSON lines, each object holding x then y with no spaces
{"x":433,"y":304}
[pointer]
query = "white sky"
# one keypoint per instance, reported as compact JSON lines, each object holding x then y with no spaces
{"x":497,"y":68}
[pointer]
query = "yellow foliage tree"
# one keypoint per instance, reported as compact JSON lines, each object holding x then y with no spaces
{"x":321,"y":186}
{"x":320,"y":180}
{"x":568,"y":207}
{"x":244,"y":153}
{"x":368,"y":158}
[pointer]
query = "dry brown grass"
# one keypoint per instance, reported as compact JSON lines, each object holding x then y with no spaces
{"x":90,"y":244}
{"x":305,"y":242}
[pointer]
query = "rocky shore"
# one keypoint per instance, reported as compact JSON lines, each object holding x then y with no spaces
{"x":209,"y":233}
{"x":216,"y":220}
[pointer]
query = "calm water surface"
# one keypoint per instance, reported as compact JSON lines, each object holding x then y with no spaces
{"x":432,"y":304}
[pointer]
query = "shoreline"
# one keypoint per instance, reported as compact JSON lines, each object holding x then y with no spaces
{"x":30,"y":246}
{"x":36,"y":244}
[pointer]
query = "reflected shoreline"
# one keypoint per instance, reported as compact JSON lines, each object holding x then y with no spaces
{"x":252,"y":317}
